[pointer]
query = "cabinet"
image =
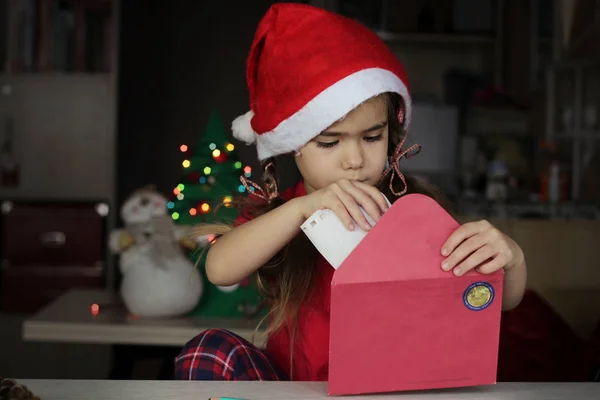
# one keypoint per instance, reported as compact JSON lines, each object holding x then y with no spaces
{"x":572,"y":109}
{"x":58,"y":97}
{"x":509,"y":43}
{"x":63,"y":134}
{"x":49,"y":247}
{"x":58,"y":90}
{"x":431,"y":37}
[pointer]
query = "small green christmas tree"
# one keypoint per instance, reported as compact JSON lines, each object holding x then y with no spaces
{"x":211,"y":177}
{"x":203,"y":195}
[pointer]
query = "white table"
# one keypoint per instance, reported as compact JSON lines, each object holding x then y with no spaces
{"x":70,"y":319}
{"x":170,"y":390}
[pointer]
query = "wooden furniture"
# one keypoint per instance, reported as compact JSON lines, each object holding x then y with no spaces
{"x":74,"y":318}
{"x":48,"y":247}
{"x":58,"y":90}
{"x":509,"y":42}
{"x":561,"y":263}
{"x":562,"y":267}
{"x":82,"y":389}
{"x":572,"y":109}
{"x":71,"y":319}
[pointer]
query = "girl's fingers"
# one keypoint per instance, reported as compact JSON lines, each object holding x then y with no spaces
{"x":463,"y":250}
{"x":340,"y":210}
{"x":375,"y":194}
{"x":464,"y":232}
{"x":500,"y":260}
{"x":476,"y":259}
{"x":352,"y":208}
{"x":363,"y":199}
{"x":491,"y":266}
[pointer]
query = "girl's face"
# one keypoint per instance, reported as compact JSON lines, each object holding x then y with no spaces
{"x":353,"y":148}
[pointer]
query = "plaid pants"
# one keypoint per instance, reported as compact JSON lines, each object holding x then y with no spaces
{"x":224,"y":356}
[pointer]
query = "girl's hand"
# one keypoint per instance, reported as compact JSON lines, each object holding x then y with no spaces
{"x":481,"y":246}
{"x":344,"y":198}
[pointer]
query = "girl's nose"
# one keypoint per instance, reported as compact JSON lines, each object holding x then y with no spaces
{"x":354,"y":158}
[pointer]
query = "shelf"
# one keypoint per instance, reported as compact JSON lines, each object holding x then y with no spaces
{"x":494,"y":121}
{"x":583,"y":134}
{"x":437,"y":38}
{"x":91,"y":3}
{"x":9,"y":80}
{"x":53,"y":74}
{"x":51,"y":35}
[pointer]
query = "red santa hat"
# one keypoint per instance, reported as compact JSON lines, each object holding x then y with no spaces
{"x":306,"y":70}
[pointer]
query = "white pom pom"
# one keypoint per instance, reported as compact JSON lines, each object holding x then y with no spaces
{"x":242,"y":129}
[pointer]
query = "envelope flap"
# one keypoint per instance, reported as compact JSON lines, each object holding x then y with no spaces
{"x":408,"y":237}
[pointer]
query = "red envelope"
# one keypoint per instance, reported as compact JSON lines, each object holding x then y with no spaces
{"x":399,"y":322}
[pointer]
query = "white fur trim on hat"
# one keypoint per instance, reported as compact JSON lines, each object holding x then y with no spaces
{"x":242,"y":129}
{"x":326,"y":108}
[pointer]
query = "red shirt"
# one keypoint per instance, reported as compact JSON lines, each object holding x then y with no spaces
{"x":310,"y":358}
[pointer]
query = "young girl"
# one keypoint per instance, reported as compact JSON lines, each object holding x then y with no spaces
{"x":327,"y":90}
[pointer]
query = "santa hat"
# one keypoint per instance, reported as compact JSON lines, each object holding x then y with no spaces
{"x":306,"y":70}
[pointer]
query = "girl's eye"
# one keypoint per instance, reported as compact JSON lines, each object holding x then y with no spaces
{"x":327,"y":145}
{"x":374,"y":138}
{"x":369,"y":139}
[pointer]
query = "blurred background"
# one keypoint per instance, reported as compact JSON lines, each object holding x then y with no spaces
{"x":101,"y":98}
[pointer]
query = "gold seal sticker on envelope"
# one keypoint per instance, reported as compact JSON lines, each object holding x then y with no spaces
{"x":478,"y":296}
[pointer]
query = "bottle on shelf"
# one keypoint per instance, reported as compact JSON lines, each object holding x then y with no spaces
{"x":554,"y":180}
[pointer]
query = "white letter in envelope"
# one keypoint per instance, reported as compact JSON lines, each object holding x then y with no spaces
{"x":331,"y":237}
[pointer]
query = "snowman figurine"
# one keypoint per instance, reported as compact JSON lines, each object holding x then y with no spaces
{"x":158,"y":279}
